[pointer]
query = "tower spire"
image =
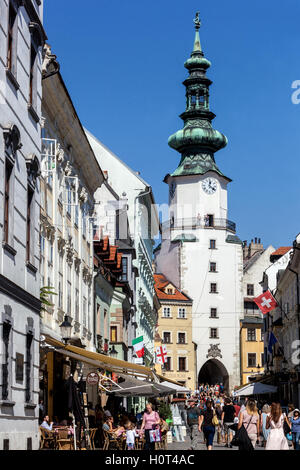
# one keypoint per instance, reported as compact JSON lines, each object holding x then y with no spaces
{"x":197,"y":141}
{"x":197,"y":43}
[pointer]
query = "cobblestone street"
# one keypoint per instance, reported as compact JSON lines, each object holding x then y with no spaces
{"x":201,"y":446}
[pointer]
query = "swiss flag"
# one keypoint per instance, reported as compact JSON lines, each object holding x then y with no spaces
{"x":266,"y":302}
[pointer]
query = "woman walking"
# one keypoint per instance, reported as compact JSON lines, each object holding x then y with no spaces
{"x":265,"y":432}
{"x":151,"y":421}
{"x":207,"y":425}
{"x":276,"y":439}
{"x":295,"y":422}
{"x":250,"y":419}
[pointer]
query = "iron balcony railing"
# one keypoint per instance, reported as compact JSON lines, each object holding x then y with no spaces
{"x":194,"y":222}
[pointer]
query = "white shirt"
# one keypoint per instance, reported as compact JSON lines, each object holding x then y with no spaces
{"x":130,"y":435}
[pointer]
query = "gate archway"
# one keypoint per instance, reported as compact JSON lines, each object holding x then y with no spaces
{"x":214,"y":372}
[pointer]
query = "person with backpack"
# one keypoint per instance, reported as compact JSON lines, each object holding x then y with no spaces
{"x":251,"y":421}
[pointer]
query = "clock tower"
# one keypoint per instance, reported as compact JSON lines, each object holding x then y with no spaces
{"x":200,"y":252}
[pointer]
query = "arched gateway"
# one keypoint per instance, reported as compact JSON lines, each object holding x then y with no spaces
{"x":213,"y":372}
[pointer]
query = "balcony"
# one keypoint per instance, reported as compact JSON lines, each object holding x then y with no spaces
{"x":193,"y":223}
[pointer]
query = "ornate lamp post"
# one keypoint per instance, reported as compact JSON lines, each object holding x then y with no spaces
{"x":66,"y":329}
{"x":113,"y":352}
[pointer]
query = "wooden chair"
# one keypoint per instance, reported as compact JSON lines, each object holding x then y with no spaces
{"x":63,"y":441}
{"x":46,"y":437}
{"x":92,"y":437}
{"x":108,"y":442}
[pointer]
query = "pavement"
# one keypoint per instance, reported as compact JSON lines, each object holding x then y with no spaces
{"x":186,"y":445}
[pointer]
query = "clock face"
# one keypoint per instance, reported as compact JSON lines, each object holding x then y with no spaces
{"x":209,"y":185}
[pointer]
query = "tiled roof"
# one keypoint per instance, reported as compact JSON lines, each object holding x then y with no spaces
{"x":160,"y":283}
{"x":282,"y":250}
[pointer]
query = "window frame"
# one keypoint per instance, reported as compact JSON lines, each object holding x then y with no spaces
{"x":211,"y":333}
{"x":251,"y":354}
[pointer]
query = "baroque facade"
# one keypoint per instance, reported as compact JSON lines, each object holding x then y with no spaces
{"x":21,"y":43}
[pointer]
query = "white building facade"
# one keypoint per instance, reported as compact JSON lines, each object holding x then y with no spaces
{"x":21,"y":42}
{"x":143,"y":226}
{"x":200,"y":252}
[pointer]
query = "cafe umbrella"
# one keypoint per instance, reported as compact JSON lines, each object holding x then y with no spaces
{"x":74,"y":406}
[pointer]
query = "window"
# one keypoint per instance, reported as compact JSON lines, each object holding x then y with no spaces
{"x":167,"y":312}
{"x":210,"y":220}
{"x":250,"y":289}
{"x":167,"y":337}
{"x":251,"y":359}
{"x":181,"y":338}
{"x":214,"y":333}
{"x":213,"y":267}
{"x":105,"y":332}
{"x":84,"y":304}
{"x":251,"y":334}
{"x":113,"y":334}
{"x":213,"y":313}
{"x":262,"y":359}
{"x":212,"y":244}
{"x":29,"y":222}
{"x":262,"y":335}
{"x":69,"y":290}
{"x":124,"y":275}
{"x":29,"y":344}
{"x":170,"y":291}
{"x":11,"y":40}
{"x":213,"y":288}
{"x":60,"y":290}
{"x":181,"y":313}
{"x":6,"y":360}
{"x":182,"y":364}
{"x":167,"y":364}
{"x":32,"y":77}
{"x":7,"y":202}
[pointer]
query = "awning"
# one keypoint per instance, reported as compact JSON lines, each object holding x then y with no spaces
{"x":256,"y":388}
{"x":176,"y":388}
{"x":135,"y":387}
{"x":101,"y":360}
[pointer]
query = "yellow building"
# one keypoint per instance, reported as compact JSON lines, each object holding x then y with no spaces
{"x":252,"y":347}
{"x":174,"y":330}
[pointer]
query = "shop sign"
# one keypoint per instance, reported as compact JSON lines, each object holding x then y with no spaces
{"x":92,"y":378}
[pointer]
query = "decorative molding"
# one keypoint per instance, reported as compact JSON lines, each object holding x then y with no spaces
{"x":12,"y":140}
{"x":214,"y":351}
{"x":60,"y":153}
{"x":83,"y":195}
{"x":61,"y":242}
{"x":50,"y":65}
{"x":33,"y":169}
{"x":12,"y":290}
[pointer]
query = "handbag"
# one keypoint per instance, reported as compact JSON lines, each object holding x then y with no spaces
{"x":215,"y":420}
{"x":154,"y":435}
{"x":286,"y":428}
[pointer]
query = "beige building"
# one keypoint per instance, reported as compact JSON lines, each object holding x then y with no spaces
{"x":174,"y":330}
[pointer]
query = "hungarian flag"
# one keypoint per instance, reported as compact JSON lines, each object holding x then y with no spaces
{"x":161,"y":354}
{"x":138,"y":346}
{"x":266,"y":302}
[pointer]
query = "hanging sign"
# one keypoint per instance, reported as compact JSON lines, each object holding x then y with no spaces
{"x":92,"y":378}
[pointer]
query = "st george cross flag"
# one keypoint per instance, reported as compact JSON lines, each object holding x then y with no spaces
{"x":161,"y":354}
{"x":272,"y":340}
{"x":138,"y":346}
{"x":266,"y":302}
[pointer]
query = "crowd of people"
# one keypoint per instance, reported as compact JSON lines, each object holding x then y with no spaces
{"x":132,"y":424}
{"x":244,"y":423}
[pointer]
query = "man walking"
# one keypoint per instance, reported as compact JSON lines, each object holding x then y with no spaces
{"x":193,"y":421}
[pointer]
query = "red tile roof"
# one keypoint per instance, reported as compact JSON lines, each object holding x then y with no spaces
{"x":282,"y":250}
{"x":160,"y":283}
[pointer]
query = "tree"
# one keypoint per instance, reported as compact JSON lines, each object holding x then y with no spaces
{"x":44,"y":297}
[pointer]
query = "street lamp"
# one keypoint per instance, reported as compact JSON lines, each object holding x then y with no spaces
{"x":66,"y":328}
{"x":113,"y":352}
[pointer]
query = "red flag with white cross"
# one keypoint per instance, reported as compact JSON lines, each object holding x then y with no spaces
{"x":266,"y":302}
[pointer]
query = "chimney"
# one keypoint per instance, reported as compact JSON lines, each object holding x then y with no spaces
{"x":105,"y":173}
{"x":245,"y":250}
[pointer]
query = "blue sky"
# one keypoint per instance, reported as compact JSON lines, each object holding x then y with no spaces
{"x":122,"y":62}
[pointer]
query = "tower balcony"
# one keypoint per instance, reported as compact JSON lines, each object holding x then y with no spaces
{"x":193,"y":223}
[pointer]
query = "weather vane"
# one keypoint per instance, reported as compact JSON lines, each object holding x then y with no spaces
{"x":197,"y":21}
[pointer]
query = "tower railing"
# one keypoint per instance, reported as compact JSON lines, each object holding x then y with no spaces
{"x":192,"y":223}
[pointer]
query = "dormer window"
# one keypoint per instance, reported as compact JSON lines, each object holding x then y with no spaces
{"x":170,"y":291}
